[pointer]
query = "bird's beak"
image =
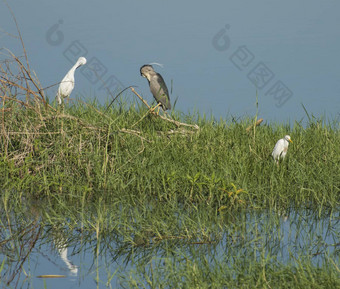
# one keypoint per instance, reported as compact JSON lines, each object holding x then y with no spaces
{"x":291,"y":141}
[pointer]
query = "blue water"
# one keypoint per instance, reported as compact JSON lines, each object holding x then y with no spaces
{"x":216,"y":55}
{"x":288,"y":238}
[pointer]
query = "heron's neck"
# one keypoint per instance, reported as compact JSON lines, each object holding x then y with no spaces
{"x":75,"y":66}
{"x":72,"y":70}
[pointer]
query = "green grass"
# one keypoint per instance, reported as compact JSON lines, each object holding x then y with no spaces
{"x":86,"y":150}
{"x":143,"y":191}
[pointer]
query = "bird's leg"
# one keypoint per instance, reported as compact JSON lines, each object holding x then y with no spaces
{"x":153,"y":109}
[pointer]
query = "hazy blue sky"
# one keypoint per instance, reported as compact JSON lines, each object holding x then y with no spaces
{"x":289,"y":48}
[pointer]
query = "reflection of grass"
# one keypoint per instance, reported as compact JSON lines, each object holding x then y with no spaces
{"x":133,"y":192}
{"x":200,"y":273}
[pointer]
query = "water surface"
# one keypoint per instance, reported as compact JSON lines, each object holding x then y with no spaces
{"x":87,"y":258}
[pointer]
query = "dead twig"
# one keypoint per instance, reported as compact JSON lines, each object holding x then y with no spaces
{"x":131,"y":86}
{"x":182,"y":132}
{"x":141,"y":98}
{"x":254,"y":125}
{"x":135,"y":133}
{"x":175,"y":122}
{"x":4,"y":97}
{"x":28,"y":73}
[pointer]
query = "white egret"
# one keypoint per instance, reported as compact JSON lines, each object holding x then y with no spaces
{"x":281,"y":148}
{"x":67,"y":84}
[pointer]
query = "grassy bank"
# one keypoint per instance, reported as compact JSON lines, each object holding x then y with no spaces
{"x":120,"y":153}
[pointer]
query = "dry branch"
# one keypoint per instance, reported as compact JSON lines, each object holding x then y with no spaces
{"x":254,"y":125}
{"x":135,"y":133}
{"x":177,"y":123}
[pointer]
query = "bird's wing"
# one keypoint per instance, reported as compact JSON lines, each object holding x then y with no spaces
{"x":160,"y":91}
{"x":277,"y":149}
{"x":162,"y":84}
{"x":66,"y":86}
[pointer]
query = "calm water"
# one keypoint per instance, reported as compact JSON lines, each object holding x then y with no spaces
{"x":89,"y":262}
{"x":216,"y":54}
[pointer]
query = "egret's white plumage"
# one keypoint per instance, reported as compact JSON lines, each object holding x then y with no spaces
{"x":67,"y":84}
{"x":281,"y":148}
